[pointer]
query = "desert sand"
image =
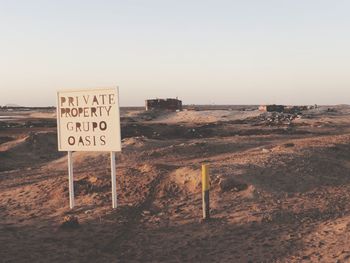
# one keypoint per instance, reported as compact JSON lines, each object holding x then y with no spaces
{"x":280,"y":189}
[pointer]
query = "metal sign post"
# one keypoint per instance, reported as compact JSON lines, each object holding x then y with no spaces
{"x":114,"y":181}
{"x":71,"y":180}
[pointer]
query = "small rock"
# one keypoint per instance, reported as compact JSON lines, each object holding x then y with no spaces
{"x":265,"y":150}
{"x":146,"y":213}
{"x":70,"y":222}
{"x":321,"y":243}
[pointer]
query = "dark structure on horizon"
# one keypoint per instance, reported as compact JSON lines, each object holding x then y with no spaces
{"x":164,"y":104}
{"x":272,"y":108}
{"x":286,"y":109}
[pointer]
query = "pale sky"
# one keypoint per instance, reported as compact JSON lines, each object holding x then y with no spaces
{"x":204,"y":52}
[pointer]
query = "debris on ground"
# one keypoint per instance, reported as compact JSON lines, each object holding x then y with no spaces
{"x":70,"y":222}
{"x":230,"y":183}
{"x":275,"y":119}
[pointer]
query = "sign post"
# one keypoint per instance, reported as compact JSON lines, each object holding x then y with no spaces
{"x":89,"y":120}
{"x":114,"y":181}
{"x":71,"y":180}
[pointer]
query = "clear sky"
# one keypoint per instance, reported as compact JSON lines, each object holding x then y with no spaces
{"x":204,"y":52}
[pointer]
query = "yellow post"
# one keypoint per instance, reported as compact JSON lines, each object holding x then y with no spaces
{"x":205,"y":191}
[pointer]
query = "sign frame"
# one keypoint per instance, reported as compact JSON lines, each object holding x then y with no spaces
{"x":116,"y":126}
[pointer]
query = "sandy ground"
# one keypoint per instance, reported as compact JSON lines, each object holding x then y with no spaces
{"x":280,"y":190}
{"x":205,"y":116}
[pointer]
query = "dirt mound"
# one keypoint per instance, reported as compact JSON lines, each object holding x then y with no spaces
{"x":303,"y":166}
{"x":91,"y":185}
{"x":43,"y":145}
{"x":187,"y":178}
{"x":35,"y":148}
{"x":4,"y":139}
{"x":228,"y":183}
{"x":81,"y":160}
{"x":88,"y":190}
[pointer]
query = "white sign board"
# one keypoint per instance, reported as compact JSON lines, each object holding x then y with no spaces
{"x":88,"y":120}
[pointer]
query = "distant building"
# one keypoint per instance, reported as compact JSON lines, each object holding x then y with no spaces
{"x":163,"y":104}
{"x":272,"y":108}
